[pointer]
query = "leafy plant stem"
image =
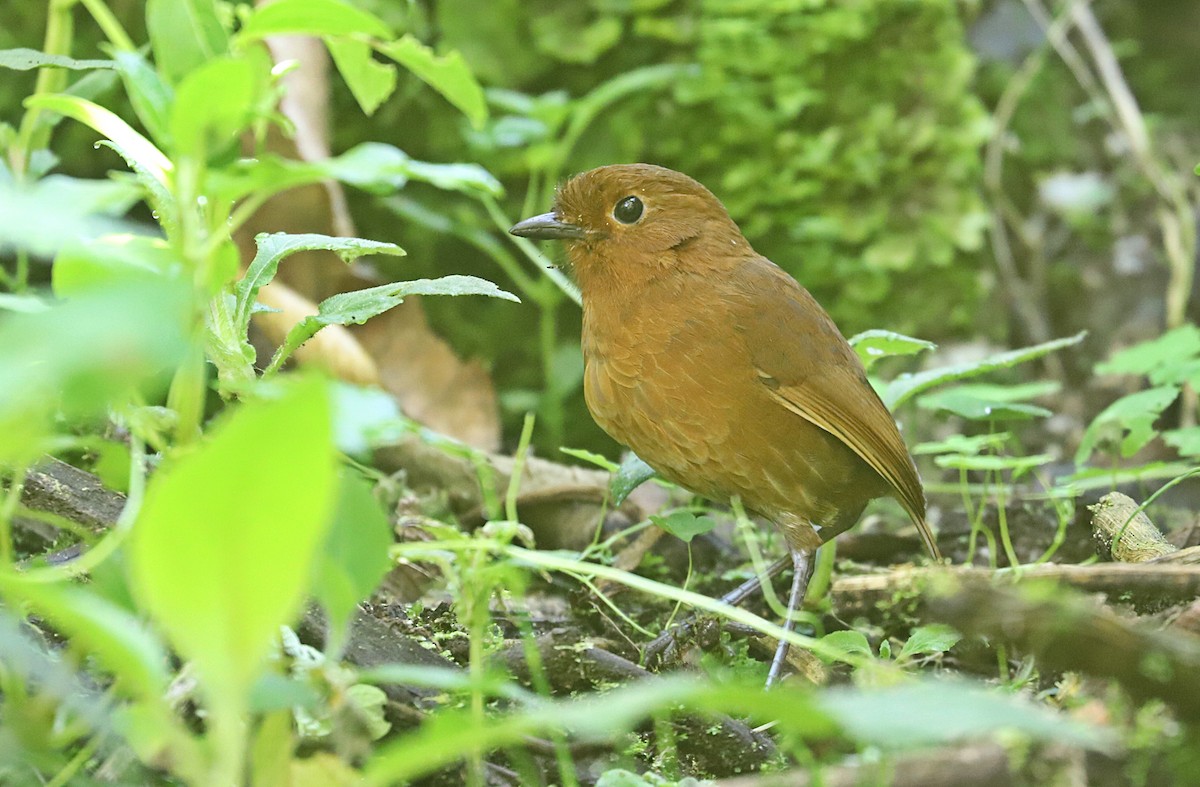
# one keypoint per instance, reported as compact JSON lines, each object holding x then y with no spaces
{"x":503,"y":222}
{"x":750,"y":537}
{"x":85,"y":753}
{"x":514,"y":483}
{"x":32,"y":135}
{"x":687,"y":579}
{"x":1002,"y":519}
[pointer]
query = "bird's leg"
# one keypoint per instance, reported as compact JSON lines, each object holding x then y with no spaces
{"x":664,"y":644}
{"x":802,"y":566}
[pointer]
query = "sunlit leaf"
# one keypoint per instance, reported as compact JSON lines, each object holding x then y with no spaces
{"x":370,"y":81}
{"x":216,"y":101}
{"x":929,"y":640}
{"x":130,"y":143}
{"x":874,"y":345}
{"x":184,"y":35}
{"x":224,"y":546}
{"x":1128,"y":421}
{"x":684,"y":525}
{"x":274,"y":247}
{"x":447,"y":74}
{"x":149,"y":94}
{"x":314,"y":18}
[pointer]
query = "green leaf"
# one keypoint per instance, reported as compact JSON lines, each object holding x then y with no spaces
{"x":361,"y":305}
{"x":873,"y":345}
{"x":943,"y":711}
{"x":907,"y":386}
{"x":355,"y":557}
{"x":632,"y":473}
{"x":23,"y":303}
{"x":150,"y":96}
{"x":314,"y":18}
{"x":849,"y":642}
{"x":984,"y":403}
{"x":1146,"y":358}
{"x":216,"y":101}
{"x":383,"y":169}
{"x":114,"y":636}
{"x":78,"y":357}
{"x":684,"y":524}
{"x":272,"y":248}
{"x":184,"y":34}
{"x":1129,"y":420}
{"x":129,"y":143}
{"x":1185,"y":441}
{"x":43,"y":216}
{"x":80,"y":267}
{"x":370,"y":81}
{"x":929,"y":640}
{"x":225,"y":543}
{"x":447,"y":74}
{"x":26,"y":59}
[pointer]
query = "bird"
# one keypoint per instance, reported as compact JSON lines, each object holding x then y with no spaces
{"x":720,"y":370}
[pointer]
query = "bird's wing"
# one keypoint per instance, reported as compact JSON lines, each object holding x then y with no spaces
{"x":810,"y":369}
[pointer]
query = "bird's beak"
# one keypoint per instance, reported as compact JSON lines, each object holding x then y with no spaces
{"x":547,"y":227}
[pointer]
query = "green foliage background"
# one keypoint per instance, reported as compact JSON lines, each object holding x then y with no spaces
{"x":843,"y":138}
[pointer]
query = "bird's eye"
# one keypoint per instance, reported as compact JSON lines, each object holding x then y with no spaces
{"x":628,"y":210}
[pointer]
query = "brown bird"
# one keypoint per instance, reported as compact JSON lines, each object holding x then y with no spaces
{"x":717,"y":368}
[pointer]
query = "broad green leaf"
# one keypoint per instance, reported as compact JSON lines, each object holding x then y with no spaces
{"x":447,"y":74}
{"x":216,"y":101}
{"x":361,"y":305}
{"x":383,"y":169}
{"x":370,"y":81}
{"x":1185,"y":441}
{"x":874,"y":345}
{"x":184,"y":35}
{"x":314,"y":18}
{"x":80,"y":267}
{"x":150,"y":96}
{"x":43,"y":216}
{"x":26,"y":59}
{"x":99,"y":628}
{"x":906,"y":386}
{"x":1129,"y":421}
{"x":632,"y":473}
{"x":684,"y":525}
{"x":849,"y":641}
{"x":78,"y":357}
{"x":272,"y":248}
{"x":129,"y":143}
{"x":225,"y":543}
{"x":1152,"y":356}
{"x":355,"y":556}
{"x":981,"y":403}
{"x":929,"y":640}
{"x":939,"y":712}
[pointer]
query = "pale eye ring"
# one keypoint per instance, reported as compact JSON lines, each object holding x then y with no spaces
{"x":628,"y":210}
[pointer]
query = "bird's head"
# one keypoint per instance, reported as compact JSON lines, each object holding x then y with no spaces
{"x":638,"y":215}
